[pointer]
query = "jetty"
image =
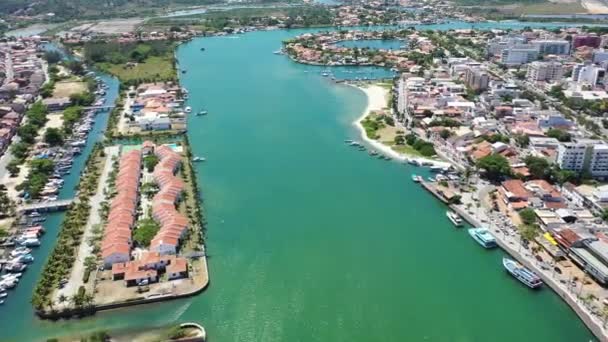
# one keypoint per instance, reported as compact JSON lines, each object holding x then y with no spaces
{"x":46,"y":206}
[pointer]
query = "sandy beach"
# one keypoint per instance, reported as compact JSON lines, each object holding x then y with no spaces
{"x":595,"y":6}
{"x":377,"y":97}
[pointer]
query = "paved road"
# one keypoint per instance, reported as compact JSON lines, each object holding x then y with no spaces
{"x":75,"y":280}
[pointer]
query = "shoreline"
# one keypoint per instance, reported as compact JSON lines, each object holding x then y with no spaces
{"x":569,"y":298}
{"x":373,"y":103}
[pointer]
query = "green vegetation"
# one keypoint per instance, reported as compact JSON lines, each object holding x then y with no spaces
{"x":527,"y":216}
{"x":70,"y":116}
{"x":423,"y":147}
{"x":529,"y":232}
{"x":559,"y":134}
{"x":371,"y":124}
{"x":150,"y":162}
{"x":35,"y":119}
{"x":496,"y":166}
{"x":496,"y":138}
{"x":40,"y":170}
{"x":134,"y":63}
{"x":53,"y":136}
{"x":62,"y":257}
{"x":145,"y":232}
{"x":7,"y":206}
{"x":445,"y":122}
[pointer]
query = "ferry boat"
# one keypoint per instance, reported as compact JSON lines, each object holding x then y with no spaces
{"x":521,"y":273}
{"x":455,"y":218}
{"x":483,"y":237}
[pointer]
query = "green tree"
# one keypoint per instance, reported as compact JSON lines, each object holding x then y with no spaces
{"x":53,"y":136}
{"x":527,"y":216}
{"x":559,"y":134}
{"x":539,"y":167}
{"x":496,"y":166}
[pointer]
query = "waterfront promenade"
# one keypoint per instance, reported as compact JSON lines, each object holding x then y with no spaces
{"x":509,"y":240}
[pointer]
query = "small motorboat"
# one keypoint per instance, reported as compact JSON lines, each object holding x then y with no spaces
{"x":198,"y":159}
{"x":202,"y":112}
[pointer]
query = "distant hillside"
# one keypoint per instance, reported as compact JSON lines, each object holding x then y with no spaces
{"x":70,"y":9}
{"x":496,"y":2}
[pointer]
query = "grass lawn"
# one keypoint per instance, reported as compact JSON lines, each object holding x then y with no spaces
{"x":406,"y":149}
{"x":65,"y":89}
{"x":546,"y":8}
{"x":154,"y":68}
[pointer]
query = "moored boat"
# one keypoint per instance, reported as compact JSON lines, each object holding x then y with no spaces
{"x":521,"y":273}
{"x":455,"y":218}
{"x":483,"y":237}
{"x":415,"y":178}
{"x":198,"y":159}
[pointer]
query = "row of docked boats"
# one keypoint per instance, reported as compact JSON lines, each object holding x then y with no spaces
{"x":15,"y":262}
{"x":362,"y":147}
{"x":485,"y":239}
{"x":514,"y":268}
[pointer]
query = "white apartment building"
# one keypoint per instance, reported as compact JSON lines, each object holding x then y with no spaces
{"x":519,"y":54}
{"x":552,"y":47}
{"x":584,"y":155}
{"x":544,"y":71}
{"x":588,"y":74}
{"x":571,"y":156}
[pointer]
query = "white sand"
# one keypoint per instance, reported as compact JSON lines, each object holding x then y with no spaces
{"x":595,"y":6}
{"x":377,"y":98}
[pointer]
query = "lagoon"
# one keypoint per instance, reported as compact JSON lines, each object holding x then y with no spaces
{"x":309,"y":239}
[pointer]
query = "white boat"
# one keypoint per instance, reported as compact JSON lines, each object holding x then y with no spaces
{"x":188,"y":109}
{"x":20,"y":251}
{"x":202,"y":112}
{"x":31,"y":243}
{"x":455,"y":218}
{"x":416,"y":178}
{"x":483,"y":237}
{"x":198,"y":159}
{"x":521,"y":273}
{"x":3,"y":295}
{"x":278,"y":52}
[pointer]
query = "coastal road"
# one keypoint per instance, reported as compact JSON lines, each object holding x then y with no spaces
{"x":85,"y":250}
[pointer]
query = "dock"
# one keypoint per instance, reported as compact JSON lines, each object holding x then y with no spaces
{"x":46,"y":206}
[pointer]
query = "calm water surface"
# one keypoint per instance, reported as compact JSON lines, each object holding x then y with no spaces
{"x":311,"y":240}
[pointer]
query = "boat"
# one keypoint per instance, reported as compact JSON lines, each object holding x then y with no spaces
{"x":430,"y":179}
{"x":324,"y":74}
{"x":26,"y":259}
{"x":202,"y":112}
{"x":198,"y":159}
{"x":373,"y":153}
{"x":202,"y":49}
{"x":278,"y":52}
{"x":20,"y":251}
{"x":436,"y":168}
{"x":31,"y":243}
{"x":521,"y":273}
{"x":184,"y":71}
{"x":3,"y":295}
{"x":413,"y":162}
{"x":188,"y":109}
{"x":483,"y":237}
{"x":415,"y":178}
{"x":455,"y":218}
{"x":16,"y":267}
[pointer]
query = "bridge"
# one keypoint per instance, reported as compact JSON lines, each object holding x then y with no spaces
{"x":99,"y":107}
{"x":46,"y":206}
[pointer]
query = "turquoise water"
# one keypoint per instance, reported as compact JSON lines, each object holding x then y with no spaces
{"x":375,"y":44}
{"x":311,"y":240}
